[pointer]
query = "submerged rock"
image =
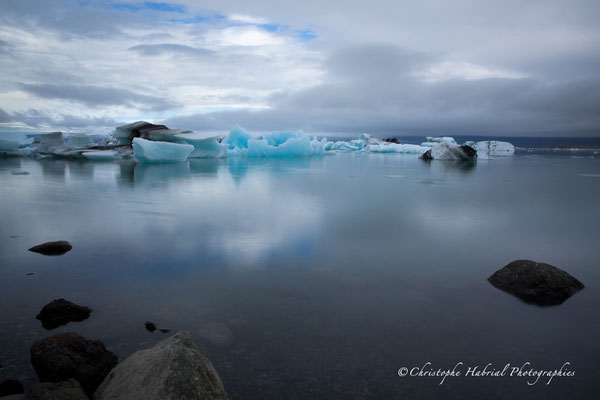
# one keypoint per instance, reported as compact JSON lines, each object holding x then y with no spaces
{"x":217,"y":333}
{"x":52,"y":248}
{"x":173,"y":369}
{"x":60,"y":311}
{"x":69,"y":355}
{"x":536,"y":283}
{"x":67,"y":390}
{"x":10,"y":386}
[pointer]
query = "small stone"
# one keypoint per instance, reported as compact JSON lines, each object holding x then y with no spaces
{"x":150,"y":327}
{"x":164,"y":330}
{"x":536,"y":283}
{"x":60,"y":311}
{"x":52,"y":248}
{"x":29,"y":273}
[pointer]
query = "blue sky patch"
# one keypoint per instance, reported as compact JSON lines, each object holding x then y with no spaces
{"x":307,"y":35}
{"x":150,"y":5}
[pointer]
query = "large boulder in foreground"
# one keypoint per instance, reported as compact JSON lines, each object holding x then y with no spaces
{"x":68,"y":390}
{"x":60,"y":311}
{"x":173,"y":369}
{"x":57,"y":248}
{"x":69,"y":355}
{"x":536,"y":283}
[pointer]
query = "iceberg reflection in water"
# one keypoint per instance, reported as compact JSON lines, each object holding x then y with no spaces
{"x":330,"y":272}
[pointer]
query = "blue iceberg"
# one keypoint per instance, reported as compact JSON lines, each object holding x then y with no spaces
{"x":147,"y":151}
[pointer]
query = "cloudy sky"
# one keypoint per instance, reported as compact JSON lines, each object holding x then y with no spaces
{"x":394,"y":67}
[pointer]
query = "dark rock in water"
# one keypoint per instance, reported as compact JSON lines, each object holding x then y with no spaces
{"x":426,"y":156}
{"x":469,"y":151}
{"x":29,"y":273}
{"x":391,"y":140}
{"x":19,"y":173}
{"x":536,"y":283}
{"x":150,"y":327}
{"x":164,"y":330}
{"x":173,"y":369}
{"x":143,"y":131}
{"x":59,"y":312}
{"x":10,"y":386}
{"x":69,"y":355}
{"x":67,"y":390}
{"x":52,"y":248}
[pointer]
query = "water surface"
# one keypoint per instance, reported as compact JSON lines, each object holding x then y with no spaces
{"x":332,"y":273}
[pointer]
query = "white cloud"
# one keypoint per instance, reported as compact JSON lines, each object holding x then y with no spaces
{"x":447,"y":70}
{"x":247,"y":19}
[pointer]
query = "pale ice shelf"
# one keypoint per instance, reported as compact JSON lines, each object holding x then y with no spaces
{"x":150,"y":143}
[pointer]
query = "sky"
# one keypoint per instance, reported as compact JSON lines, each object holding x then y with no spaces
{"x":336,"y":67}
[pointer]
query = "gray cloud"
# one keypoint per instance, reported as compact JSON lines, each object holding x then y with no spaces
{"x":170,"y":48}
{"x":371,"y":88}
{"x":94,"y":96}
{"x":369,"y":79}
{"x":39,"y":118}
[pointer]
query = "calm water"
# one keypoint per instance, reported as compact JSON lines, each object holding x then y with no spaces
{"x":332,"y":273}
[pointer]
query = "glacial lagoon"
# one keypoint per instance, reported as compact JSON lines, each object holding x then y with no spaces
{"x":331,"y":272}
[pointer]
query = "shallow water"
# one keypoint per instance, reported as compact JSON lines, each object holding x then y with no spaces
{"x":332,"y":273}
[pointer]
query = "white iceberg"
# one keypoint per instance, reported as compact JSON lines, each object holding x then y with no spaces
{"x":432,"y":140}
{"x":494,"y":148}
{"x":49,"y":141}
{"x":149,"y":151}
{"x":397,"y":148}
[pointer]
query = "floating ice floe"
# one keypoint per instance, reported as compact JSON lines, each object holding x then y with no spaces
{"x":494,"y":148}
{"x":156,"y":152}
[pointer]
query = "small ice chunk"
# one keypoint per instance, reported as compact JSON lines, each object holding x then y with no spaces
{"x":101,"y":155}
{"x":148,"y":151}
{"x":494,"y":148}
